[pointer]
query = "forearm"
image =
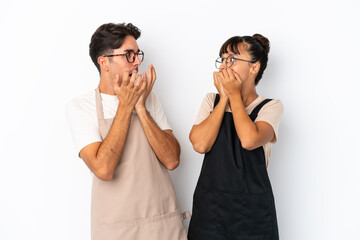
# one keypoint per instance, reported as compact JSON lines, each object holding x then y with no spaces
{"x":245,"y":127}
{"x":165,"y":146}
{"x":203,"y":136}
{"x":110,"y":150}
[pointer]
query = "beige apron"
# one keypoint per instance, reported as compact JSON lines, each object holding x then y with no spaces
{"x":140,"y":201}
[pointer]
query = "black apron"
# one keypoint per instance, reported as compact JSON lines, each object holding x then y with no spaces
{"x":233,"y":199}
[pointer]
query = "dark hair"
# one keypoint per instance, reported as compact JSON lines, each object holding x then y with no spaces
{"x":108,"y":37}
{"x":257,"y":46}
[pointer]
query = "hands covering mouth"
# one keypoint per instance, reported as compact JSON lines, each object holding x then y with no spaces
{"x":133,"y":71}
{"x":134,"y":88}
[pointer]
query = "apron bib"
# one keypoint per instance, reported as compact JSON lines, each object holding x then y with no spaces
{"x":233,"y":198}
{"x":140,"y":201}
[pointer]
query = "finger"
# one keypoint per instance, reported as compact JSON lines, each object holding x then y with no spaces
{"x":125,"y":78}
{"x":132,"y":79}
{"x":149,"y":70}
{"x":139,"y":81}
{"x":152,"y":74}
{"x":146,"y":78}
{"x":230,"y":73}
{"x":216,"y":82}
{"x":217,"y":75}
{"x":221,"y":77}
{"x":116,"y":81}
{"x":237,"y":77}
{"x":225,"y":73}
{"x":142,"y":87}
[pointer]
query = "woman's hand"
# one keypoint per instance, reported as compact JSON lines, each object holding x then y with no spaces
{"x":219,"y":86}
{"x":231,"y":82}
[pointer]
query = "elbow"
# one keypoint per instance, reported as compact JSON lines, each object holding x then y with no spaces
{"x":172,"y":165}
{"x":198,"y":145}
{"x":200,"y":148}
{"x":105,"y":174}
{"x":248,"y":145}
{"x":107,"y":177}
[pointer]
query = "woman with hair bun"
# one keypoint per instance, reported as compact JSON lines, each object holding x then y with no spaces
{"x":235,"y":128}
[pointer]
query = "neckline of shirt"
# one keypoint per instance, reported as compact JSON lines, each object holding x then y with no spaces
{"x":109,"y":98}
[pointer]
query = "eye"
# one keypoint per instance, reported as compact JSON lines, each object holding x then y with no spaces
{"x":129,"y":53}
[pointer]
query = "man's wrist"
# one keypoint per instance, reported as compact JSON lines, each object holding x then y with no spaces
{"x":125,"y":107}
{"x":140,"y":109}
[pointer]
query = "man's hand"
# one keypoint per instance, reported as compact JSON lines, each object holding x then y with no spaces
{"x":231,"y":82}
{"x":149,"y":81}
{"x":127,"y":92}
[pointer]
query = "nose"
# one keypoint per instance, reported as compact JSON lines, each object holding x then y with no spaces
{"x":137,"y":60}
{"x":222,"y":66}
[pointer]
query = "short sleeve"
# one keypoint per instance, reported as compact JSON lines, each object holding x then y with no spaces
{"x":83,"y":130}
{"x":206,"y":108}
{"x":157,"y":112}
{"x":271,"y":113}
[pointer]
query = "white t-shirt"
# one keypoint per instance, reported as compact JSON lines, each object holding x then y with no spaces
{"x":83,"y":122}
{"x":271,"y":113}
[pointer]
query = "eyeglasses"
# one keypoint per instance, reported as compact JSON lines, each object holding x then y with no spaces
{"x":229,"y":61}
{"x":130,"y":56}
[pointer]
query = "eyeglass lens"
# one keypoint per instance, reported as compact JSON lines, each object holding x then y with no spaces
{"x":131,"y":56}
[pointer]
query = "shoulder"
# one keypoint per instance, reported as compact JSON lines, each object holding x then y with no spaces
{"x":82,"y":102}
{"x":209,"y":100}
{"x":271,"y":111}
{"x":83,"y":105}
{"x":152,"y":97}
{"x":210,"y":97}
{"x":275,"y":105}
{"x":153,"y":105}
{"x":152,"y":102}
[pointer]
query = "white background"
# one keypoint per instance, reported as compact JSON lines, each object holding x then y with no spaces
{"x":313,"y":68}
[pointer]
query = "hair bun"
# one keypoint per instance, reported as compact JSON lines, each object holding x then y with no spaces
{"x":263,"y":41}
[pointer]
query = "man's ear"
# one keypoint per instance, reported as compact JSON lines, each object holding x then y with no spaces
{"x":255,"y":67}
{"x":103,"y":63}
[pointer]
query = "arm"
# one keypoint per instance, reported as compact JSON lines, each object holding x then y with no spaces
{"x":252,"y":135}
{"x":203,"y":136}
{"x":163,"y":142}
{"x":102,"y":158}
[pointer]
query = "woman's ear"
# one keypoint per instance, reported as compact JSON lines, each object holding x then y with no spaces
{"x":255,"y":67}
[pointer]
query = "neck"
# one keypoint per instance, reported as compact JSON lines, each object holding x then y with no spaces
{"x":248,"y":95}
{"x":106,"y":85}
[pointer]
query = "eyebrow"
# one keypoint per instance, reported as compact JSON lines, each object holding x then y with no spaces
{"x":232,"y":54}
{"x":131,"y":50}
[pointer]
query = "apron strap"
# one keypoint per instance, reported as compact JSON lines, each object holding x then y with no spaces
{"x":256,"y":110}
{"x":254,"y":113}
{"x":217,"y":99}
{"x":99,"y":107}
